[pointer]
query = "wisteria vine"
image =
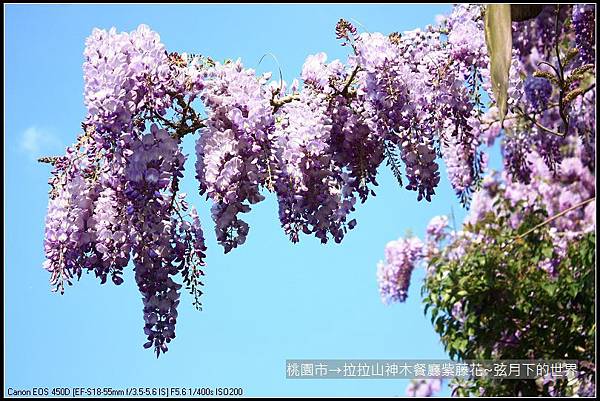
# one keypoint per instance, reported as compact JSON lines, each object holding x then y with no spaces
{"x":411,"y":100}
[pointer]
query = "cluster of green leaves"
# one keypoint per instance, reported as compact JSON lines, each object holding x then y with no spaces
{"x":503,"y":290}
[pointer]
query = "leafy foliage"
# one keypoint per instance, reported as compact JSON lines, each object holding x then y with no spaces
{"x":511,"y":309}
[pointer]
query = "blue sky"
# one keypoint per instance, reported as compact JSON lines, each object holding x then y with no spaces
{"x":264,"y":302}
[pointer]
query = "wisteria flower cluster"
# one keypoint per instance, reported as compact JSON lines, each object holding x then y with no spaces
{"x":128,"y":76}
{"x":403,"y":98}
{"x":234,"y":148}
{"x":394,"y":274}
{"x":114,"y":194}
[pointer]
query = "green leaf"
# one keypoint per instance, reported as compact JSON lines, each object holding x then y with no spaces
{"x":548,"y":251}
{"x":573,"y":290}
{"x":498,"y":37}
{"x":550,"y":288}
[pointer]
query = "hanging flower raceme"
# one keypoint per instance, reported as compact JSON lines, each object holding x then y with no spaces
{"x":153,"y":162}
{"x":70,"y":237}
{"x":355,"y":146}
{"x":310,"y":187}
{"x":69,"y":244}
{"x":234,"y":149}
{"x":394,"y":274}
{"x":112,"y":236}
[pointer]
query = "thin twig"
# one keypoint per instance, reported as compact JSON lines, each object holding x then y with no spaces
{"x":277,"y":103}
{"x":537,"y":124}
{"x":49,"y":159}
{"x":278,"y":67}
{"x":348,"y":82}
{"x":551,"y":219}
{"x":549,"y":65}
{"x":548,"y":107}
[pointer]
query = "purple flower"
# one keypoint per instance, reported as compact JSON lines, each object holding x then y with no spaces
{"x":394,"y":274}
{"x":584,"y":18}
{"x":437,"y":227}
{"x":424,"y":387}
{"x":537,"y":91}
